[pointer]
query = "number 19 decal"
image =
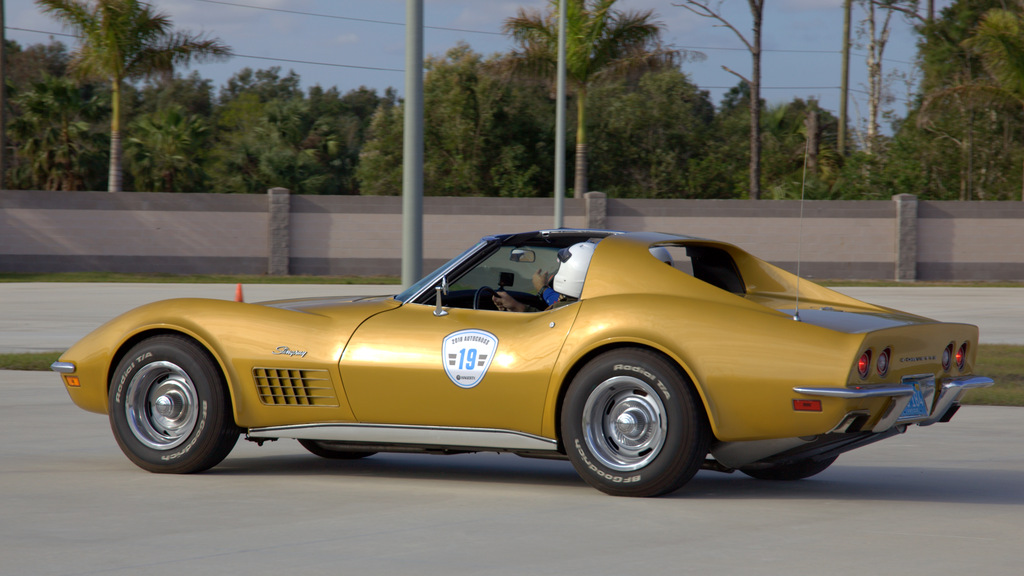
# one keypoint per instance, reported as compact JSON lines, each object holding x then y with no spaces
{"x":467,"y":355}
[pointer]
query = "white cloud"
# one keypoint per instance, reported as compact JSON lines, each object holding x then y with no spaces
{"x":344,"y":39}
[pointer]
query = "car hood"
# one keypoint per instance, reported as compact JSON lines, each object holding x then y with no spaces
{"x":326,"y":305}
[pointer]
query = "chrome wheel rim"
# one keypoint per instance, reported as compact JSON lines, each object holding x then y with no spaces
{"x":624,"y":423}
{"x":161,"y":404}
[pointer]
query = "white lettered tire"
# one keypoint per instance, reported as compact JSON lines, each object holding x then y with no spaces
{"x":632,"y":424}
{"x":169,"y":407}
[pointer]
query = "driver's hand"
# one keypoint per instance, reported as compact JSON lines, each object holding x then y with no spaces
{"x":540,"y":280}
{"x":505,"y":301}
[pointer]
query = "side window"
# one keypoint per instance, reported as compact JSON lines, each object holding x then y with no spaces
{"x":709,"y":264}
{"x":511,"y":268}
{"x":716,"y":267}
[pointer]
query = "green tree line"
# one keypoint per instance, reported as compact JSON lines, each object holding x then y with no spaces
{"x":650,"y":131}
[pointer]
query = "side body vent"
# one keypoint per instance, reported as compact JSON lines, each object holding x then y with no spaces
{"x":290,"y":387}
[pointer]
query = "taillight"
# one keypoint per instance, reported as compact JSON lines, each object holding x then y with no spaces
{"x":864,"y":364}
{"x":961,"y":356}
{"x":947,"y":357}
{"x":882,"y":364}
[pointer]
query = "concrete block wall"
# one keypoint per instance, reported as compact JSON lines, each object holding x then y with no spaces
{"x":132,"y":232}
{"x":280,"y":233}
{"x":972,"y":240}
{"x":832,"y":240}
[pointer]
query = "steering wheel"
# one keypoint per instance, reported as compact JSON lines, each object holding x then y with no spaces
{"x":480,"y":292}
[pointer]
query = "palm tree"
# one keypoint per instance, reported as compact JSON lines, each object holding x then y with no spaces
{"x":164,"y":153}
{"x":53,"y":137}
{"x":126,"y":40}
{"x":999,"y":42}
{"x":601,"y":43}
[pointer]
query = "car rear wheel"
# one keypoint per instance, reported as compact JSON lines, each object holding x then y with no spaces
{"x":632,"y":424}
{"x":169,"y":407}
{"x":794,"y":471}
{"x":333,"y":450}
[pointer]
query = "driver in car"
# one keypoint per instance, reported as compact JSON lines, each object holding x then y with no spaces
{"x":568,"y":280}
{"x":567,"y":284}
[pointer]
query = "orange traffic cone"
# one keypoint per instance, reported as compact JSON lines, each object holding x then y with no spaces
{"x":238,"y":293}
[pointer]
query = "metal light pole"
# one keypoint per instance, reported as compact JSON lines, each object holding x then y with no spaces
{"x":844,"y":91}
{"x":560,"y":120}
{"x":412,"y":158}
{"x":3,"y":99}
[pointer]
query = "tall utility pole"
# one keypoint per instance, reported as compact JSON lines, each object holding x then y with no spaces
{"x":844,"y":90}
{"x":559,"y":120}
{"x":703,"y":8}
{"x":3,"y":99}
{"x":412,"y":147}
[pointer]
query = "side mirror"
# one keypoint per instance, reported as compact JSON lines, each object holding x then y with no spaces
{"x":522,"y":255}
{"x":441,"y":290}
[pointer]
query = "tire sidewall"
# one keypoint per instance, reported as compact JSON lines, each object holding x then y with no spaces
{"x":685,"y":444}
{"x":196,"y":452}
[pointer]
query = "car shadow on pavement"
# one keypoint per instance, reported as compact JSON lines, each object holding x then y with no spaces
{"x":484,"y":468}
{"x":840,"y":482}
{"x":871,"y":482}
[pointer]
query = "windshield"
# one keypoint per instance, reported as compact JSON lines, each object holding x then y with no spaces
{"x":435,"y":276}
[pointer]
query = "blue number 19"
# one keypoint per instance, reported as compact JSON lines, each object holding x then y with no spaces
{"x":467,"y":359}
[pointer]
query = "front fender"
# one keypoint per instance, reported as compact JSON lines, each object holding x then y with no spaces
{"x":239,"y":336}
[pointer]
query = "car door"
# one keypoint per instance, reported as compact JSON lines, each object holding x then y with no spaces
{"x":469,"y":368}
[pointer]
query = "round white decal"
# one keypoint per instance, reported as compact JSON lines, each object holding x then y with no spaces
{"x":467,"y":355}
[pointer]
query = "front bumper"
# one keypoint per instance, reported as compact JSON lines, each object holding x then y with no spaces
{"x":940,"y":401}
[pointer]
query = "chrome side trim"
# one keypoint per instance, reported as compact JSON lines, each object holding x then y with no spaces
{"x":63,"y":367}
{"x":950,"y":393}
{"x":486,"y":439}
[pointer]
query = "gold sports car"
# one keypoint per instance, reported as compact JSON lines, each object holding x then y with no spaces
{"x":638,"y":372}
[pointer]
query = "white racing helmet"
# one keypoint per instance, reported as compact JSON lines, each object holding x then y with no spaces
{"x":661,"y":253}
{"x":572,"y":269}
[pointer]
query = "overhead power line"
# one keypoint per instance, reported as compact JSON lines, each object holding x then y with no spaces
{"x":350,"y":18}
{"x":318,"y":63}
{"x":40,"y":32}
{"x":381,"y":69}
{"x":272,"y":59}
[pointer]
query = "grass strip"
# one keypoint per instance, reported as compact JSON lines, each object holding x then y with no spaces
{"x":29,"y":361}
{"x":1002,"y":363}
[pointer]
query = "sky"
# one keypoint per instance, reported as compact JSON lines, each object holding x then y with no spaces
{"x":353,"y":43}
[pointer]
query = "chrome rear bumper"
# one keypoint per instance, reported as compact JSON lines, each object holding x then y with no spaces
{"x":948,"y":394}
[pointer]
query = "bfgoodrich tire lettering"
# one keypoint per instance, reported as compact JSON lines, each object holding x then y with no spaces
{"x":169,"y":407}
{"x":632,"y":425}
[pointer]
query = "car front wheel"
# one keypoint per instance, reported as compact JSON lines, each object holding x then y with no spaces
{"x":169,"y":407}
{"x":632,"y":424}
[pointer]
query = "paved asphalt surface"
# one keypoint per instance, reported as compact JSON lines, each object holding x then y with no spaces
{"x":946,"y":499}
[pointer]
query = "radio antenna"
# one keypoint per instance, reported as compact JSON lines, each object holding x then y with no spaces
{"x":800,"y":229}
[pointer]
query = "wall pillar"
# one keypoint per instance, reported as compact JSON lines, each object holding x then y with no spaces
{"x":596,"y":210}
{"x":278,"y":231}
{"x":906,"y":237}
